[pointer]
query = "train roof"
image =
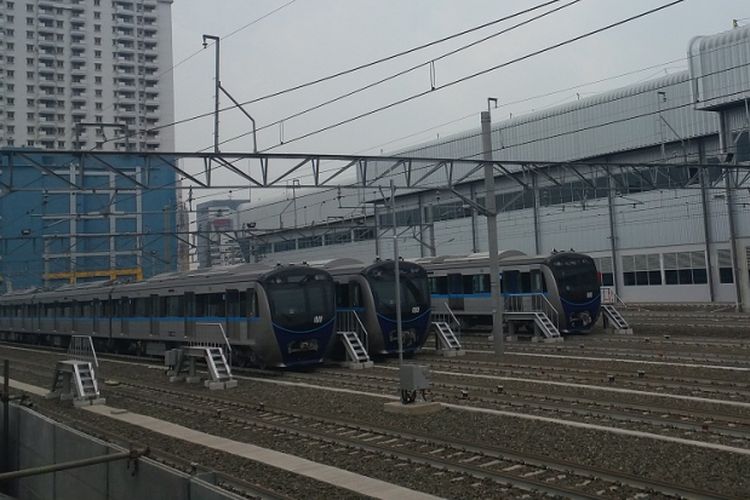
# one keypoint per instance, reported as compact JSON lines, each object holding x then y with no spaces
{"x":506,"y":257}
{"x":207,"y":280}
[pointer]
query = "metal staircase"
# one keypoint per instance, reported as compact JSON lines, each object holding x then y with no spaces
{"x":545,"y":326}
{"x":218,"y":367}
{"x":613,"y":316}
{"x":355,"y":350}
{"x":75,"y":380}
{"x":353,"y":334}
{"x":447,"y":343}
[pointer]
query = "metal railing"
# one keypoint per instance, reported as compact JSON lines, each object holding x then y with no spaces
{"x":448,"y":317}
{"x":223,"y":344}
{"x":349,"y":321}
{"x":81,"y":348}
{"x":531,"y":302}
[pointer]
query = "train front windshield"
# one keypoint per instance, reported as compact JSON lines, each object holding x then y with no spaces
{"x":415,"y":294}
{"x":576,"y":277}
{"x":300,"y":299}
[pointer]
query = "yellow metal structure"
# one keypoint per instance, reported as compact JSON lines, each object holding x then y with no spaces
{"x":113,"y":274}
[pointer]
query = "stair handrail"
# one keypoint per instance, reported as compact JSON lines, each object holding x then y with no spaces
{"x":364,"y":331}
{"x":550,"y":311}
{"x":79,"y":383}
{"x":215,"y":344}
{"x":454,"y":318}
{"x":349,"y":320}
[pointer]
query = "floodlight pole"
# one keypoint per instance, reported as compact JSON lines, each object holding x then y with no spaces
{"x":397,"y":278}
{"x":489,"y":184}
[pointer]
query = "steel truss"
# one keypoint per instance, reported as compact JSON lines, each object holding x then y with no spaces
{"x":198,"y":171}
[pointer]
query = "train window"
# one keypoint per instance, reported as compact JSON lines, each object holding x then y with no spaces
{"x":468,"y":284}
{"x":439,"y":285}
{"x":455,"y":283}
{"x":233,"y":303}
{"x":210,"y":305}
{"x":526,"y":282}
{"x":248,"y":303}
{"x":142,"y":307}
{"x":511,"y":281}
{"x":86,"y":309}
{"x":480,"y":283}
{"x":172,"y":306}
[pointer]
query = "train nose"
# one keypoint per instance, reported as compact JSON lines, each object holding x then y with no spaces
{"x":580,"y":319}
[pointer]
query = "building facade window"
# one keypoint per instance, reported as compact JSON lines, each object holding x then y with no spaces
{"x":604,"y":266}
{"x":685,"y":268}
{"x":285,"y":246}
{"x":310,"y":242}
{"x":641,"y":270}
{"x":724,"y":258}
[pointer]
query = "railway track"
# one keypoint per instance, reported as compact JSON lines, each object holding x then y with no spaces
{"x":597,"y":411}
{"x":692,"y":424}
{"x":583,"y":349}
{"x":701,"y":426}
{"x":727,"y":385}
{"x":460,"y":460}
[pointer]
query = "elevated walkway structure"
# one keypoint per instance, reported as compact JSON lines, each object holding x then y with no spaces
{"x":181,"y":365}
{"x":447,"y":344}
{"x":532,"y":309}
{"x":352,"y":333}
{"x":75,"y":380}
{"x":612,"y":317}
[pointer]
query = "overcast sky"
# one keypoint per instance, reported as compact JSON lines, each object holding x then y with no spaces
{"x":308,"y":39}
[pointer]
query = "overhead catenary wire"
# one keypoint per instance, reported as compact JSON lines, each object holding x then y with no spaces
{"x":478,"y":74}
{"x":401,"y":73}
{"x":342,"y":73}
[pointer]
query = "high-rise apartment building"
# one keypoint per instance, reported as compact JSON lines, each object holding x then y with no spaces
{"x":86,"y":74}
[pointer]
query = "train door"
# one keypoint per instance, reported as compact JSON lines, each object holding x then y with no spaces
{"x":456,"y":292}
{"x":190,"y":314}
{"x":250,"y":310}
{"x":233,"y":314}
{"x":95,"y":316}
{"x":74,"y":320}
{"x":155,"y":314}
{"x":125,"y":311}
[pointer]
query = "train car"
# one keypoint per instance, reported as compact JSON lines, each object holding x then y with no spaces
{"x":566,"y":282}
{"x":279,"y":316}
{"x":369,"y":290}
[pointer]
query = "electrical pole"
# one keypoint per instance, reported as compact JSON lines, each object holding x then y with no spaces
{"x":397,"y":278}
{"x":217,"y":86}
{"x":489,"y":184}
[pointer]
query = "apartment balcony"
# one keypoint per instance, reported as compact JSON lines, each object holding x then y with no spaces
{"x":126,"y":100}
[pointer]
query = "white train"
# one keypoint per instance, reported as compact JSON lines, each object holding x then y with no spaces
{"x":279,"y":316}
{"x":566,"y":281}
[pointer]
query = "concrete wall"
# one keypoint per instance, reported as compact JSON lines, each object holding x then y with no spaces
{"x":36,"y":440}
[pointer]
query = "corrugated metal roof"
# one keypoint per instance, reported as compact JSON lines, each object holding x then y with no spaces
{"x":720,"y":68}
{"x":623,"y":119}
